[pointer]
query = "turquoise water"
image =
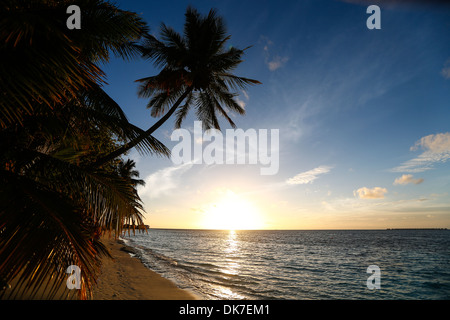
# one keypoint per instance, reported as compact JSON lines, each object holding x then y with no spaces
{"x":413,"y":264}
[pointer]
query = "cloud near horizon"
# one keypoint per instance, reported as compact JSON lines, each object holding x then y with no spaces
{"x":308,"y":176}
{"x":407,"y":179}
{"x":436,"y":149}
{"x":374,"y":193}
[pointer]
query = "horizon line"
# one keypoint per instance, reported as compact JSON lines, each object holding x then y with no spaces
{"x":331,"y":229}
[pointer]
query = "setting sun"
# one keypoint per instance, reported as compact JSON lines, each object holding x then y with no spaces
{"x":232,"y":213}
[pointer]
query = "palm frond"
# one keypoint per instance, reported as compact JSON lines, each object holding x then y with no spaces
{"x":36,"y":74}
{"x":183,"y":110}
{"x":236,"y":83}
{"x":106,"y":28}
{"x":173,"y":40}
{"x":168,"y":80}
{"x":34,"y":214}
{"x":223,"y":112}
{"x":102,"y":110}
{"x":206,"y":111}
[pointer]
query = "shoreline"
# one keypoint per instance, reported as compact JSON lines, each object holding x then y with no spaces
{"x":121,"y":278}
{"x":126,"y":278}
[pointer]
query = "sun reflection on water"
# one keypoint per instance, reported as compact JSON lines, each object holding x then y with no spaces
{"x":231,"y":251}
{"x":231,"y":243}
{"x":226,"y":293}
{"x":231,"y":266}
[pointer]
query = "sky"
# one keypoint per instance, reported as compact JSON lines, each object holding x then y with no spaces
{"x":362,"y":116}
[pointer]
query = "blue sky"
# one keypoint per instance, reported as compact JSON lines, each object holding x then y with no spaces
{"x":363,"y":117}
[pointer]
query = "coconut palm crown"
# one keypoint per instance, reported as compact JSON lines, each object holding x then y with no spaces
{"x":196,"y":72}
{"x":198,"y":64}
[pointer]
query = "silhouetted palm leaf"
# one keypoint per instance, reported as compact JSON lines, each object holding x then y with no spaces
{"x":44,"y":232}
{"x":48,"y":63}
{"x":95,"y":105}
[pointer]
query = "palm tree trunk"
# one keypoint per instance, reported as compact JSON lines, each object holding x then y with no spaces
{"x":131,"y":144}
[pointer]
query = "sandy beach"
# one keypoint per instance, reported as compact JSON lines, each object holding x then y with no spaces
{"x":126,"y":278}
{"x":122,"y":278}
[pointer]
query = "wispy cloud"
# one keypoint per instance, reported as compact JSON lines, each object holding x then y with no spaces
{"x":373,"y":193}
{"x":273,"y":62}
{"x":446,"y":70}
{"x":277,"y":62}
{"x":163,"y":181}
{"x":407,"y":179}
{"x":387,"y":209}
{"x":267,"y":42}
{"x":436,"y":143}
{"x":301,"y":119}
{"x":308,"y":176}
{"x":436,"y":149}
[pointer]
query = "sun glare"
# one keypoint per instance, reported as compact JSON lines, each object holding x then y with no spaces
{"x":233,"y":213}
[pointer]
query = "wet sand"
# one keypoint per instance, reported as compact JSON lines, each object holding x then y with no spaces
{"x":126,"y":278}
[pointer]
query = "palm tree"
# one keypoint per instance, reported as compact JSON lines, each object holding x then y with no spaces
{"x":196,"y":72}
{"x":126,"y":170}
{"x":55,"y":121}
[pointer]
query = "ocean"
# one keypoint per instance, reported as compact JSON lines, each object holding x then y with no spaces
{"x":301,"y":264}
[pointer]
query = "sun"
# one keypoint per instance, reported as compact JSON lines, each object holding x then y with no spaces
{"x":232,"y":213}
